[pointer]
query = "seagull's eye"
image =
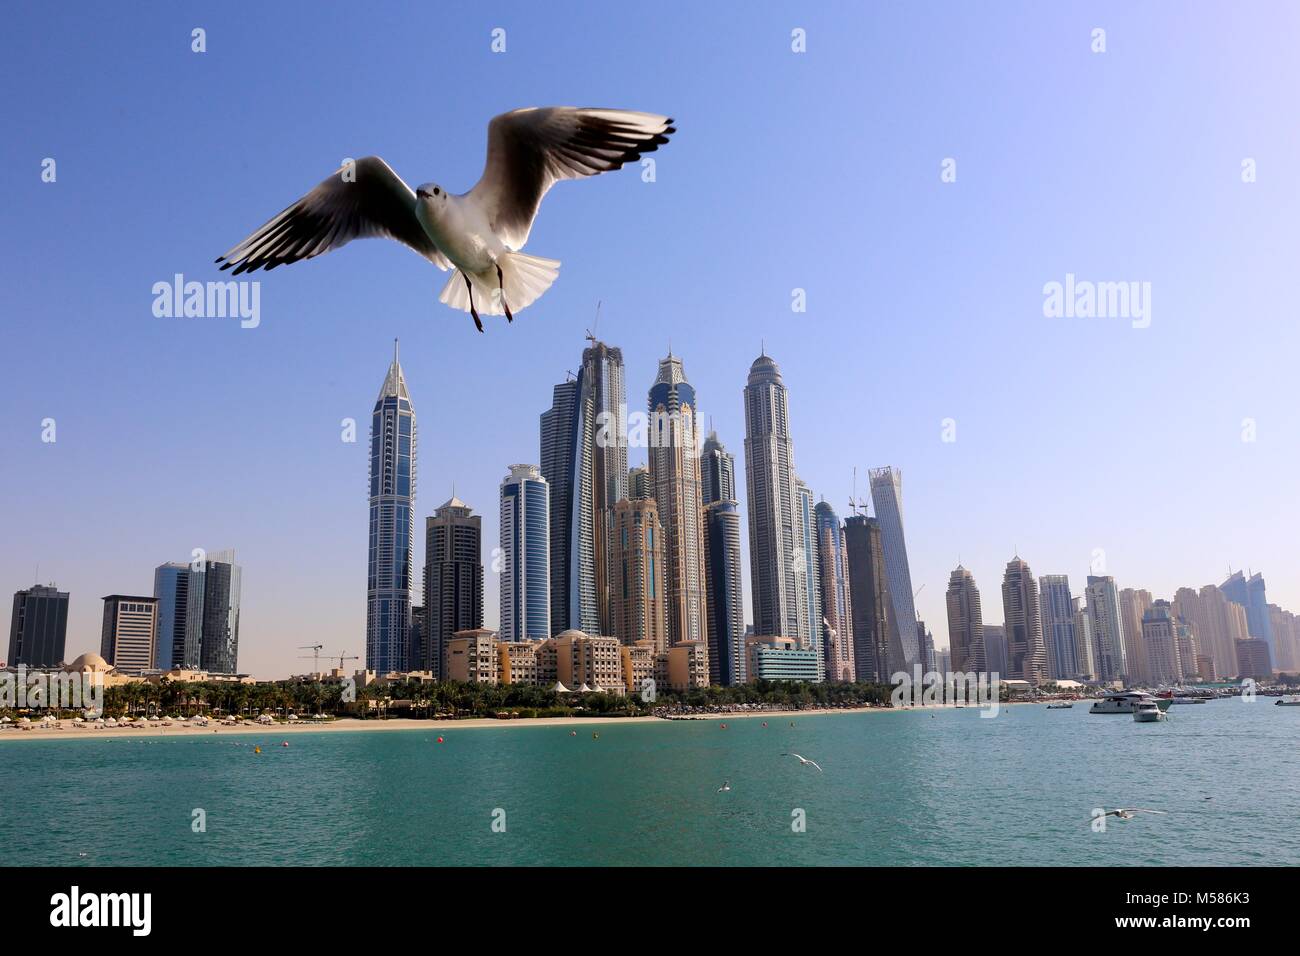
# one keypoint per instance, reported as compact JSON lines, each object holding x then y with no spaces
{"x":435,"y":191}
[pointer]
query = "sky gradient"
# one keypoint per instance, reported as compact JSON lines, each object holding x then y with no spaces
{"x":818,"y":171}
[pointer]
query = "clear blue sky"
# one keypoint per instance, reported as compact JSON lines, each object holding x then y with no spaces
{"x":817,"y":170}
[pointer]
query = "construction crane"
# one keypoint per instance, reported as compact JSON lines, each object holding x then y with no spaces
{"x":344,"y":656}
{"x":315,"y":649}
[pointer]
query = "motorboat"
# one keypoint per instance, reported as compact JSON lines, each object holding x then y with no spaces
{"x":1148,"y":711}
{"x":1126,"y":702}
{"x":1291,"y":700}
{"x":1065,"y":706}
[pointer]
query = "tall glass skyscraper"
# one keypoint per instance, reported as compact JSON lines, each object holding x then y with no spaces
{"x":525,"y":555}
{"x":674,"y":460}
{"x":774,"y":525}
{"x":807,"y":571}
{"x":887,"y":499}
{"x":870,"y":593}
{"x":604,"y":380}
{"x":722,"y":568}
{"x":837,"y":604}
{"x":453,"y":578}
{"x":1057,"y":606}
{"x":717,"y":471}
{"x":1250,"y":594}
{"x":217,"y":615}
{"x":171,"y":586}
{"x":392,"y":527}
{"x":38,"y":630}
{"x":1107,"y":628}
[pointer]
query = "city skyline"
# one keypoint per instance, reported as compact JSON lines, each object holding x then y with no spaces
{"x":1043,"y":606}
{"x":954,"y":329}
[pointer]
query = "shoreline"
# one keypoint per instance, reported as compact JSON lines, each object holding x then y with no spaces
{"x":353,"y":724}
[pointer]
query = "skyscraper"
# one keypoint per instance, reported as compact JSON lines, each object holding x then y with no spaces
{"x":38,"y":630}
{"x":525,"y":555}
{"x":675,"y":474}
{"x":214,"y":621}
{"x":717,"y":471}
{"x":869,"y":592}
{"x":807,"y":572}
{"x":1133,"y":604}
{"x":604,"y":379}
{"x":1160,"y":640}
{"x":638,"y":484}
{"x":887,"y":499}
{"x":392,"y":526}
{"x":129,"y":633}
{"x":172,"y":588}
{"x":1026,"y":655}
{"x":837,"y":603}
{"x":726,"y":599}
{"x":722,"y":567}
{"x":638,"y":601}
{"x":995,"y":649}
{"x":1107,"y":628}
{"x":567,"y":436}
{"x":1249,"y":593}
{"x":774,"y":524}
{"x":1217,"y":624}
{"x":1057,"y":610}
{"x":1085,"y":652}
{"x":453,"y":579}
{"x":965,"y":623}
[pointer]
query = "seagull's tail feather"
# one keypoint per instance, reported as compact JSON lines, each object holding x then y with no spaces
{"x":525,"y":279}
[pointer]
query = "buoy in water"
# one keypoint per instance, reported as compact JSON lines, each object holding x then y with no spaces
{"x":573,"y":733}
{"x":724,"y":726}
{"x":765,"y":723}
{"x":439,"y":740}
{"x":257,"y":750}
{"x":595,"y":736}
{"x":285,"y":744}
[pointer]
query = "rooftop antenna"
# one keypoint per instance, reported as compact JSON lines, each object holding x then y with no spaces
{"x":591,"y":332}
{"x":394,"y":351}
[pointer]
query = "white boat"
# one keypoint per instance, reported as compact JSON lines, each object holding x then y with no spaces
{"x":1291,"y":700}
{"x":1148,"y":711}
{"x":1126,"y":702}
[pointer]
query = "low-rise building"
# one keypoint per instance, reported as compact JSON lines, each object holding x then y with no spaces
{"x":638,"y":665}
{"x":471,"y":657}
{"x":771,"y":657}
{"x":688,"y":665}
{"x":517,"y":662}
{"x":589,"y":661}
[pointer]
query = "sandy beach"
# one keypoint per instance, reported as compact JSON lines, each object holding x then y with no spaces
{"x":283,"y":731}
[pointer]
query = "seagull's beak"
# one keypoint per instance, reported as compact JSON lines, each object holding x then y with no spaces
{"x":421,"y":194}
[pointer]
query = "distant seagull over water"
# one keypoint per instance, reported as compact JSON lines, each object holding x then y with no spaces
{"x":1127,"y":814}
{"x":726,"y":787}
{"x":805,"y":761}
{"x":478,"y":234}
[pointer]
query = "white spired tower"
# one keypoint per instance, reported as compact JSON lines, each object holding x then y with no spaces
{"x":392,"y":528}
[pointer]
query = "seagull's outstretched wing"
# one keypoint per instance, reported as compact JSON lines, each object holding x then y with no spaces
{"x":1144,"y":810}
{"x":529,"y":150}
{"x":814,"y":763}
{"x":376,"y":202}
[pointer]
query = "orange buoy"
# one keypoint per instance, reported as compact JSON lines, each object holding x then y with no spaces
{"x":257,"y":750}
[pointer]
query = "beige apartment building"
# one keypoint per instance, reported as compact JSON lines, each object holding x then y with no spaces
{"x":595,"y":663}
{"x":472,"y":657}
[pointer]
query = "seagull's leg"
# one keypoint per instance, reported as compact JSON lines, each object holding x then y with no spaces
{"x":504,"y":304}
{"x":472,"y":311}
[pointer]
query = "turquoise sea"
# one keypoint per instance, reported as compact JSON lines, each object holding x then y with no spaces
{"x":940,"y":787}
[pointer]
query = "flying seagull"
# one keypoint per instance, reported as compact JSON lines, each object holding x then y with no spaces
{"x":805,"y":761}
{"x":479,"y":234}
{"x":1128,"y":814}
{"x":726,"y":787}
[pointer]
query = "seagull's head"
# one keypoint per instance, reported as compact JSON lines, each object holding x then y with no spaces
{"x":431,"y":193}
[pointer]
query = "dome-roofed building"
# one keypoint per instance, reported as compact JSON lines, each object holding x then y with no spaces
{"x":90,"y":661}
